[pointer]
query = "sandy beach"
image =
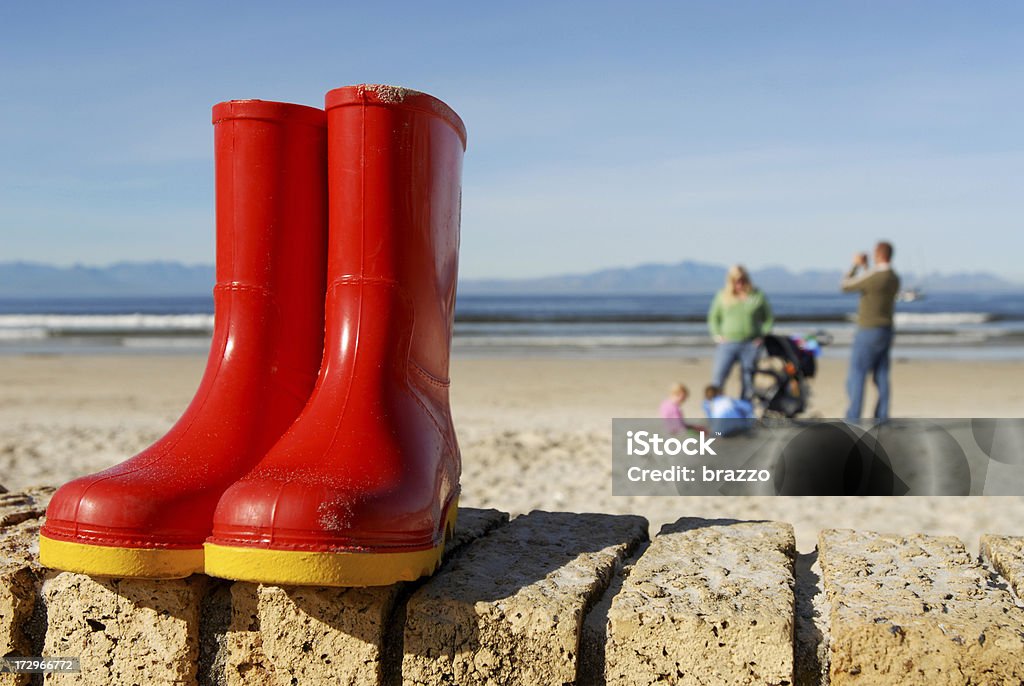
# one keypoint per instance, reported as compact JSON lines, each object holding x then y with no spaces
{"x":535,"y":432}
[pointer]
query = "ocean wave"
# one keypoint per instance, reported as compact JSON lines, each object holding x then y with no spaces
{"x":820,"y":318}
{"x":23,"y":334}
{"x":934,"y":319}
{"x":947,"y":339}
{"x":584,"y":341}
{"x":165,"y":343}
{"x":13,"y":326}
{"x":475,"y":318}
{"x":840,"y":338}
{"x":204,"y":321}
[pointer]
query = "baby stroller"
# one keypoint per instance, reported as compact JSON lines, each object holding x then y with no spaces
{"x":780,"y":380}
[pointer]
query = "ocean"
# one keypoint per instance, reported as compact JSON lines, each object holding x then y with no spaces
{"x":938,"y":326}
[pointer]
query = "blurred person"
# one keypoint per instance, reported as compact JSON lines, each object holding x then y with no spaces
{"x":727,"y":415}
{"x":872,"y":343}
{"x":738,"y":318}
{"x":672,"y":410}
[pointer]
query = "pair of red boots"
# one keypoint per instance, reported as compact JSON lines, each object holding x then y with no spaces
{"x":307,"y":456}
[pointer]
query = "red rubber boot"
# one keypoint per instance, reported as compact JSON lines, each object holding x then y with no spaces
{"x":363,"y":488}
{"x":149,"y":515}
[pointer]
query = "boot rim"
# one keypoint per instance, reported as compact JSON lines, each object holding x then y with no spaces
{"x":269,"y":110}
{"x":385,"y":95}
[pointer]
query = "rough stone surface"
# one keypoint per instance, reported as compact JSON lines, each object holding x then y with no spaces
{"x":509,"y":610}
{"x":324,"y":635}
{"x":916,"y":610}
{"x":125,"y":631}
{"x":551,"y":598}
{"x":294,"y":634}
{"x":19,"y":575}
{"x":19,"y":507}
{"x":17,"y":603}
{"x":1006,"y":555}
{"x":709,"y":602}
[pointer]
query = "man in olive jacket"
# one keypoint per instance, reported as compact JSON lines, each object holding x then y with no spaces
{"x":872,"y":343}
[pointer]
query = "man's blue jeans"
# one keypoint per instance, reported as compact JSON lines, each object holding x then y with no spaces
{"x":729,"y":353}
{"x":870,"y":354}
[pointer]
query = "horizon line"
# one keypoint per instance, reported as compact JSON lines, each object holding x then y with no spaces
{"x":1015,"y":280}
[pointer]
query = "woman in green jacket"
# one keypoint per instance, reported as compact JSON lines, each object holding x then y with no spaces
{"x":738,"y":318}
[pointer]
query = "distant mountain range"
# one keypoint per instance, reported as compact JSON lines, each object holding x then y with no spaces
{"x":34,"y":280}
{"x":700,"y":277}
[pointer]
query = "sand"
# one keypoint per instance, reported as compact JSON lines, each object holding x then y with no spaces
{"x":535,"y":432}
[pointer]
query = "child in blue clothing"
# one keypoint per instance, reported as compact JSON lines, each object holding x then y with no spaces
{"x":727,"y":415}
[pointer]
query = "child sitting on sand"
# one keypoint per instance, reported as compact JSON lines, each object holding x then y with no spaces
{"x":672,"y":410}
{"x":727,"y":415}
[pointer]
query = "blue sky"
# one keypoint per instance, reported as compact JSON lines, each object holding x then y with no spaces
{"x":600,"y":134}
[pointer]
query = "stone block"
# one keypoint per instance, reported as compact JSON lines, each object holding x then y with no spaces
{"x":125,"y":631}
{"x":916,"y":610}
{"x":296,"y":634}
{"x":709,"y":602}
{"x":510,"y":609}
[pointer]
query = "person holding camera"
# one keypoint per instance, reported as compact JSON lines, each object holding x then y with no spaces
{"x":872,"y":343}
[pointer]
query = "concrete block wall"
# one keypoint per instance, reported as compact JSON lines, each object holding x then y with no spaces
{"x":548,"y":598}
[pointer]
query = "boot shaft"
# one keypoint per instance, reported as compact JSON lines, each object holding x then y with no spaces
{"x":270,"y":161}
{"x":395,"y":169}
{"x":271,"y":199}
{"x":271,"y":213}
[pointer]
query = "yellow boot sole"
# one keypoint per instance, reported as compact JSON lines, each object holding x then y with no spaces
{"x":305,"y":568}
{"x":101,"y":560}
